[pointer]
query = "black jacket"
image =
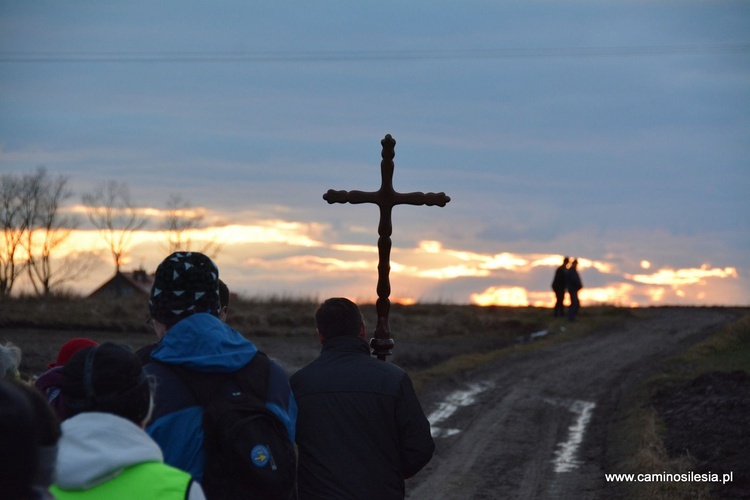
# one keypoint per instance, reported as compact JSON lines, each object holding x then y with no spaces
{"x":360,"y":427}
{"x":558,"y":283}
{"x":573,"y":280}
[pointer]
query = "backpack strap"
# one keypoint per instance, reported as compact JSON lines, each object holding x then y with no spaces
{"x":251,"y":378}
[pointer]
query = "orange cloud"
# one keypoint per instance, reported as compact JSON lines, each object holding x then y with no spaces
{"x":677,"y":277}
{"x":312,"y":263}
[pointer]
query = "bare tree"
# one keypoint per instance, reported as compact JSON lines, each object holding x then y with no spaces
{"x":14,"y":229}
{"x":111,"y":211}
{"x":31,"y":193}
{"x":48,"y":228}
{"x":179,"y":222}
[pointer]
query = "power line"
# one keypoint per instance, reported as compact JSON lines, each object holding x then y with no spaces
{"x":343,"y":56}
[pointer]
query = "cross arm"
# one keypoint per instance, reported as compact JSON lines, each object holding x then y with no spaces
{"x":354,"y":197}
{"x":419,"y":198}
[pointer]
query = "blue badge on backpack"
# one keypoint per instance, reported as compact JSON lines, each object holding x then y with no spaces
{"x":260,"y":455}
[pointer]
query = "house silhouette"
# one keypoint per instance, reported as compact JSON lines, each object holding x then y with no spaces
{"x":125,"y":284}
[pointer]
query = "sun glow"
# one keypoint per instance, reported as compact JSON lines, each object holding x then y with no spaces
{"x":451,"y":272}
{"x":656,"y":294}
{"x":489,"y":262}
{"x":616,"y":294}
{"x":295,"y":255}
{"x":514,"y":296}
{"x":270,"y":231}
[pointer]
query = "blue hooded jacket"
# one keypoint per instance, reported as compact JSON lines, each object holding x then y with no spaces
{"x":203,"y":343}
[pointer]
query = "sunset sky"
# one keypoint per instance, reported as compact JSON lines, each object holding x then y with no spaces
{"x":615,"y":132}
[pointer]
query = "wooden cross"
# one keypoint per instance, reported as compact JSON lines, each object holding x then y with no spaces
{"x":386,"y":198}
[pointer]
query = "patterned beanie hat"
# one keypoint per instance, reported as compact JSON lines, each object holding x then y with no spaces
{"x":185,"y":283}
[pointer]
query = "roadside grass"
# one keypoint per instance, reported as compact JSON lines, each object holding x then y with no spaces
{"x":727,"y":351}
{"x":637,"y":443}
{"x":639,"y":439}
{"x":270,"y":315}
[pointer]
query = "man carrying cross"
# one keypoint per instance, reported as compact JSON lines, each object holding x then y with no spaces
{"x":360,"y":428}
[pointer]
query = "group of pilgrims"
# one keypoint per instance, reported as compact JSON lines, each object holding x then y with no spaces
{"x":107,"y":422}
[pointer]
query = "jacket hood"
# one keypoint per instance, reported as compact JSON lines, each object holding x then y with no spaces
{"x":50,"y":378}
{"x":203,"y":342}
{"x":95,"y":447}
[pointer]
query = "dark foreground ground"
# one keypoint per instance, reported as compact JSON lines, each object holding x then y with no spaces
{"x":709,"y":418}
{"x":537,"y":422}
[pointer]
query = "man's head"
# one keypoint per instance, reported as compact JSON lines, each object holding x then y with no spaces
{"x":107,"y":378}
{"x":339,"y":317}
{"x":185,"y":283}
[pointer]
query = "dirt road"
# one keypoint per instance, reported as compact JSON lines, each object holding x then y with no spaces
{"x":534,"y":425}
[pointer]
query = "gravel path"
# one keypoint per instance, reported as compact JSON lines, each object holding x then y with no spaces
{"x":538,"y":421}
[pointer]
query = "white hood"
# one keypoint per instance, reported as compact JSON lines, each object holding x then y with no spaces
{"x":96,"y":447}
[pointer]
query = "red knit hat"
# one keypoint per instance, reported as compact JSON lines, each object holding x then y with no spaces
{"x":69,"y":348}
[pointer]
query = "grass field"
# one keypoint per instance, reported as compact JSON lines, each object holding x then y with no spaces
{"x":425,"y":335}
{"x":432,"y":339}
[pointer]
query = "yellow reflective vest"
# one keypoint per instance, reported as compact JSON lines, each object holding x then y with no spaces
{"x":144,"y":481}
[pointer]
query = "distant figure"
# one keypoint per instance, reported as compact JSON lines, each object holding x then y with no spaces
{"x":50,"y":382}
{"x":558,"y":286}
{"x":360,"y":428}
{"x":104,"y":451}
{"x":574,"y":285}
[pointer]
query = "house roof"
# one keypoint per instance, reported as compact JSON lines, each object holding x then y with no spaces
{"x":138,"y":281}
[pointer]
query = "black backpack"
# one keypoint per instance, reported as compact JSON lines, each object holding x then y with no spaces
{"x":248,"y":451}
